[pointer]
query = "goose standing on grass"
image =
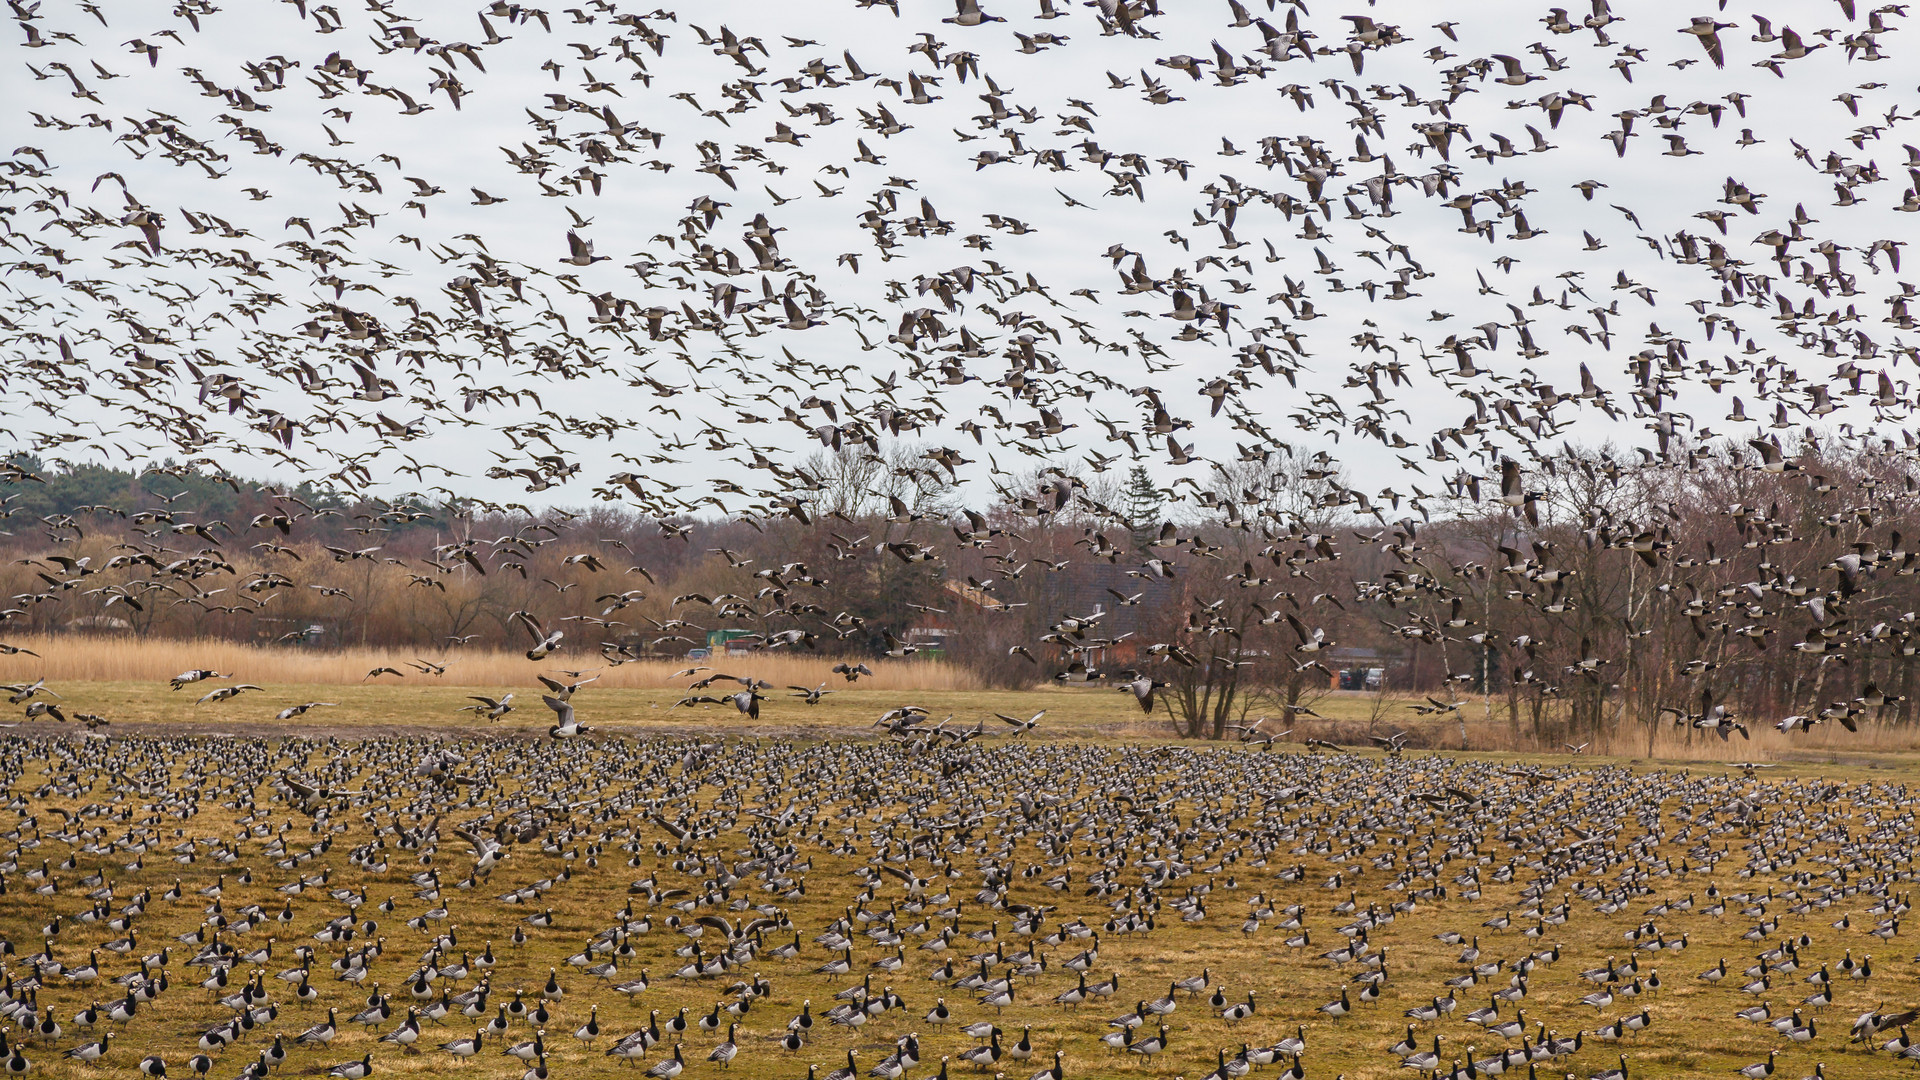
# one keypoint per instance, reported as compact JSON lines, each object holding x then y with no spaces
{"x":678,"y":1024}
{"x":462,"y":1049}
{"x":980,"y":1057}
{"x":1166,"y":1004}
{"x":353,"y":1070}
{"x":1151,"y":1046}
{"x":406,"y":1034}
{"x":1057,"y":1071}
{"x":1619,"y":1073}
{"x":589,"y":1031}
{"x":1425,"y":1059}
{"x":1510,"y":1029}
{"x":849,"y":1071}
{"x":998,"y":999}
{"x":529,"y":1050}
{"x":1022,"y":1049}
{"x":1073,"y":995}
{"x":630,"y":1048}
{"x":670,"y":1068}
{"x":88,"y":1053}
{"x":47,"y":1029}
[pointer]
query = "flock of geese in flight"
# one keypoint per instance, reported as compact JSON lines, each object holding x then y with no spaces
{"x":196,"y":907}
{"x":254,"y":258}
{"x":176,"y":299}
{"x":382,"y":328}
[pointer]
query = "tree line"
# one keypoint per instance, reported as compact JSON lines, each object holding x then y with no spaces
{"x":1598,"y":594}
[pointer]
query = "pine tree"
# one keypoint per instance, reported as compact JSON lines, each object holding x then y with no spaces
{"x":1142,"y":502}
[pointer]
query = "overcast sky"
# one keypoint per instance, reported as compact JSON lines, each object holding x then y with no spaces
{"x":1647,"y":193}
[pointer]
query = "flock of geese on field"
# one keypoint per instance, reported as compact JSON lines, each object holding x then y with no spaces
{"x":236,"y":907}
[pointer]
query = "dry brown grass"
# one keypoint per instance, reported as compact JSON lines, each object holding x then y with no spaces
{"x":118,"y":677}
{"x":1349,"y":718}
{"x":1766,"y":744}
{"x":121,"y":659}
{"x":425,"y":705}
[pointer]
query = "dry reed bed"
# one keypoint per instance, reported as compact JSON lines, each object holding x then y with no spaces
{"x":1347,"y":725}
{"x":1348,"y":718}
{"x":1671,"y":744}
{"x":128,"y":659}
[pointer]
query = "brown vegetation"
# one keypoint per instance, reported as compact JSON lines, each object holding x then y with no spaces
{"x":1607,"y":615}
{"x":127,"y":659}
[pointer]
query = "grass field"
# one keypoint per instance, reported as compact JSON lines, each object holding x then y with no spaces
{"x":394,"y":707}
{"x":117,"y":678}
{"x":100,"y":825}
{"x":1692,"y":1035}
{"x":132,"y":659}
{"x":1098,"y":713}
